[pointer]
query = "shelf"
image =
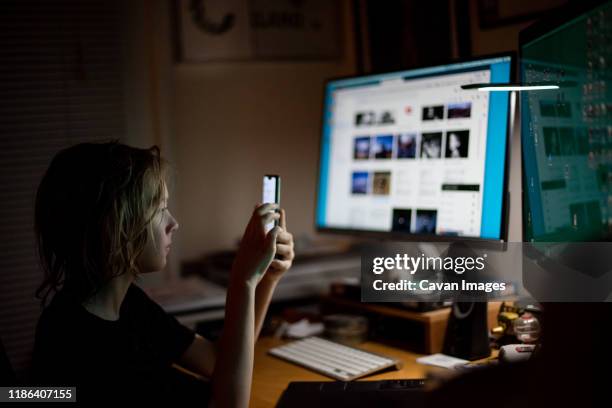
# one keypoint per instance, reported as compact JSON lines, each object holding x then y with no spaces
{"x":426,"y":330}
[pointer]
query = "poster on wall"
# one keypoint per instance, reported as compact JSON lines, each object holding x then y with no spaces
{"x":225,"y":30}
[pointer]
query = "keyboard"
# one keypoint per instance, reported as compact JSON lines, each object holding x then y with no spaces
{"x":354,"y":394}
{"x":333,"y":359}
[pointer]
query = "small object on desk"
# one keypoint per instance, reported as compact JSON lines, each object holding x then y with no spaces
{"x":333,"y":359}
{"x":527,"y":328}
{"x":301,"y":329}
{"x":346,"y":329}
{"x":441,"y":360}
{"x":505,"y":321}
{"x":514,"y":353}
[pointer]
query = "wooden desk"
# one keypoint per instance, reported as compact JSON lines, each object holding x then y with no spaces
{"x":272,"y":375}
{"x":433,"y":322}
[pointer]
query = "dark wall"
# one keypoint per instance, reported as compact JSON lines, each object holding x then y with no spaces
{"x":404,"y":34}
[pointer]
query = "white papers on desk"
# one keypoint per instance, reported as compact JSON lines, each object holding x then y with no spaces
{"x":441,"y":360}
{"x":300,"y":329}
{"x":187,"y":294}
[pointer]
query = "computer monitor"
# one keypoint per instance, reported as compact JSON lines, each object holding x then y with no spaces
{"x":567,"y":132}
{"x":412,"y":156}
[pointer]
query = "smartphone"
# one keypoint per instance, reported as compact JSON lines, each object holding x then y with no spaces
{"x":271,"y":194}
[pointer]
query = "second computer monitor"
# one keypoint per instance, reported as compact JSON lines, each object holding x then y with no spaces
{"x":411,"y":154}
{"x":567,"y":132}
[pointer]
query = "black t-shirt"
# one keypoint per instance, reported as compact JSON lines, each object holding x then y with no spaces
{"x":109,"y":360}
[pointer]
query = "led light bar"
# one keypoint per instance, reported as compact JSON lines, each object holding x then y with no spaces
{"x":509,"y":87}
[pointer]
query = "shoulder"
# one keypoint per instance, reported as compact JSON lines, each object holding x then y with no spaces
{"x":136,"y":292}
{"x":58,"y":315}
{"x":139,"y":306}
{"x":62,"y":323}
{"x":57,"y":337}
{"x":136,"y":297}
{"x":145,"y":312}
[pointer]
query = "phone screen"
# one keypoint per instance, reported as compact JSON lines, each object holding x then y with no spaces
{"x":271,"y":194}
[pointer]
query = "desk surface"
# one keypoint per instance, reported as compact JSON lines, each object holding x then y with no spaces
{"x":272,"y":375}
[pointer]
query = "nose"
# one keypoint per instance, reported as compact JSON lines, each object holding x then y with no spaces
{"x":173,"y":225}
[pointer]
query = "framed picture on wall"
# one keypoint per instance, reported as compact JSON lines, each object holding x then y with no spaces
{"x":225,"y":30}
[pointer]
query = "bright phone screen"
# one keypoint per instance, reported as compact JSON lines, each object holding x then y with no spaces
{"x":269,"y":194}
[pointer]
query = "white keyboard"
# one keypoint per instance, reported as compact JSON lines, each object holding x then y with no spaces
{"x":333,"y":359}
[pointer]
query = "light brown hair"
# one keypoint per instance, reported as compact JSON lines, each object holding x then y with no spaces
{"x":93,"y":213}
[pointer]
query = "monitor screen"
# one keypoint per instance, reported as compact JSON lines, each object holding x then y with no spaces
{"x":413,"y":155}
{"x":567,"y":132}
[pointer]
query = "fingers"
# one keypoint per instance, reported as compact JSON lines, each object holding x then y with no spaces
{"x":273,"y":234}
{"x":265,"y":208}
{"x":283,"y":219}
{"x":269,"y":217}
{"x":270,"y":242}
{"x":280,"y":265}
{"x":285,"y":237}
{"x":285,"y":251}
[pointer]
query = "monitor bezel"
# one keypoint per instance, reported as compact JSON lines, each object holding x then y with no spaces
{"x":401,"y":236}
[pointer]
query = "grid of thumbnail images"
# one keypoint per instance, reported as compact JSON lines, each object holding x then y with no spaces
{"x":382,"y":146}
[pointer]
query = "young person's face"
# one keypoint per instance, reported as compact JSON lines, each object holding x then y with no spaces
{"x":454,"y":142}
{"x":153,"y":257}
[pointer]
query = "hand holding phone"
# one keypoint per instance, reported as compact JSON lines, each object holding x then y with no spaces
{"x":271,"y":194}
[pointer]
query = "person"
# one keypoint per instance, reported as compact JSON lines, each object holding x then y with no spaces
{"x":454,"y":146}
{"x":102,"y":220}
{"x":431,"y":147}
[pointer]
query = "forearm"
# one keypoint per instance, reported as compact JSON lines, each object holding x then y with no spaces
{"x":234,"y":363}
{"x":263,"y":296}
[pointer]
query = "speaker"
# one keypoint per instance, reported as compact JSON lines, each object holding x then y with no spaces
{"x":467,"y":335}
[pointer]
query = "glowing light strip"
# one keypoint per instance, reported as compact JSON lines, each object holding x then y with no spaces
{"x":518,"y":88}
{"x":485,"y":87}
